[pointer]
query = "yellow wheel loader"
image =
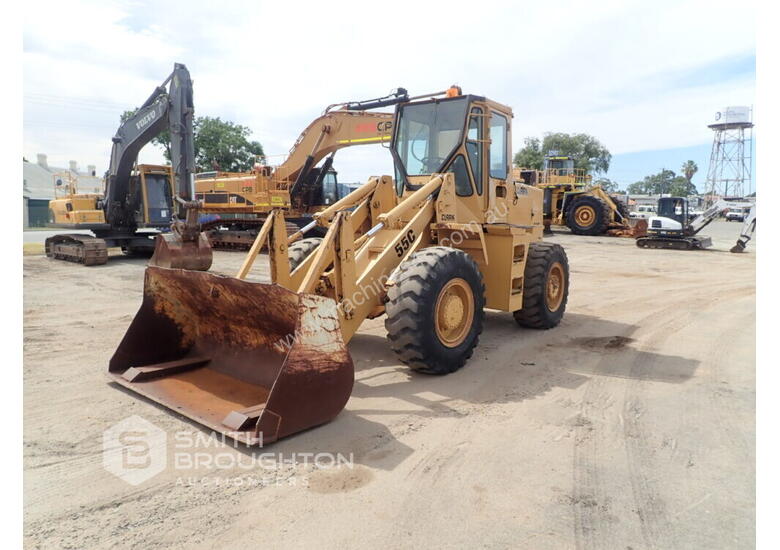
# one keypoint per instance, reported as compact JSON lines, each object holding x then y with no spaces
{"x":451,"y":236}
{"x":570,"y":200}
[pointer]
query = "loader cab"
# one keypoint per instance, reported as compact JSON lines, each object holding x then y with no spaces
{"x":467,"y":135}
{"x":562,"y":164}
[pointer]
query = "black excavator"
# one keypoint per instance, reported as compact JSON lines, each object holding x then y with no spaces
{"x":140,"y":197}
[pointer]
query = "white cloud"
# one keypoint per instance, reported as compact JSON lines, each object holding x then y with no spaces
{"x":623,"y":71}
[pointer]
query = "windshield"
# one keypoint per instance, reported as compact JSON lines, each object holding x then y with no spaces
{"x":670,"y":208}
{"x":158,"y":192}
{"x":428,"y":133}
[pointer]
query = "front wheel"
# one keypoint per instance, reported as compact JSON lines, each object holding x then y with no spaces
{"x":435,"y":310}
{"x":300,"y":250}
{"x":588,"y":215}
{"x":545,"y":288}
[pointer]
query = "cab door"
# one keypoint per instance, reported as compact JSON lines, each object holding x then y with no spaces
{"x":158,"y":199}
{"x":499,"y":127}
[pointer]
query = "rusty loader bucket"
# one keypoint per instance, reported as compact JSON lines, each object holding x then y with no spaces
{"x":171,"y":251}
{"x":253,"y":361}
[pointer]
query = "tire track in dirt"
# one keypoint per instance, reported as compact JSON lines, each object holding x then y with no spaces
{"x":650,"y":505}
{"x":594,"y":525}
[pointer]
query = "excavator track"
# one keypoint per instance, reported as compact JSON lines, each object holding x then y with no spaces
{"x":81,"y":249}
{"x":240,"y":232}
{"x":687,"y":243}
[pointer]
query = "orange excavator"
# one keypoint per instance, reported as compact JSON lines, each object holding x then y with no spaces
{"x":298,"y":186}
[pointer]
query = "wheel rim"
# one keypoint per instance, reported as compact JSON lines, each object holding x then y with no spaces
{"x":555,"y":287}
{"x":585,"y":215}
{"x":454,"y":312}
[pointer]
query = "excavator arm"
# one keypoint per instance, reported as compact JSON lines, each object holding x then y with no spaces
{"x":337,"y":128}
{"x":748,"y":228}
{"x":166,"y":108}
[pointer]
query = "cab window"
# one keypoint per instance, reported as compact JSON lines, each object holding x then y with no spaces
{"x":498,"y":154}
{"x":462,"y":184}
{"x":474,"y":147}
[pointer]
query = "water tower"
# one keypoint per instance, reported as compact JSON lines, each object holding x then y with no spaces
{"x":731,"y":159}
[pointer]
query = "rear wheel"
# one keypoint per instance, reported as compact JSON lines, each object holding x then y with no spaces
{"x":546,"y":286}
{"x":435,"y":310}
{"x":300,"y":250}
{"x":588,"y":215}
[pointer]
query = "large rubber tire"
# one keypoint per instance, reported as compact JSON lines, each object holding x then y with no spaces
{"x":300,"y":250}
{"x":588,"y":215}
{"x":546,"y":269}
{"x":429,"y":285}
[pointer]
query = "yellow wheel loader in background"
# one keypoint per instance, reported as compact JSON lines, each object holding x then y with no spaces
{"x":452,"y":235}
{"x":570,"y":200}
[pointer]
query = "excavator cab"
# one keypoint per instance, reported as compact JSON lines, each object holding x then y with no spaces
{"x":157,"y":198}
{"x":674,"y":208}
{"x":152,"y":192}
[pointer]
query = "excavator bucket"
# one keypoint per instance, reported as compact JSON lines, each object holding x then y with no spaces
{"x":255,"y":362}
{"x":171,"y":251}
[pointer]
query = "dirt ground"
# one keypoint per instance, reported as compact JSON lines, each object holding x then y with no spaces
{"x":631,"y":425}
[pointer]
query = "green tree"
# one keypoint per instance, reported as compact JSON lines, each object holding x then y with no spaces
{"x":531,"y":155}
{"x":681,"y":187}
{"x":608,"y":185}
{"x":224,"y":145}
{"x":689,"y":168}
{"x":219,"y":145}
{"x":664,"y":182}
{"x":588,"y":152}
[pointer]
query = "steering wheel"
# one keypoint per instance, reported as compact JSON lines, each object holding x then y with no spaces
{"x":426,"y":164}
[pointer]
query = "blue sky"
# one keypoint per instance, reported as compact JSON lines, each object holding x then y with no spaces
{"x":646,"y":82}
{"x":627,"y":168}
